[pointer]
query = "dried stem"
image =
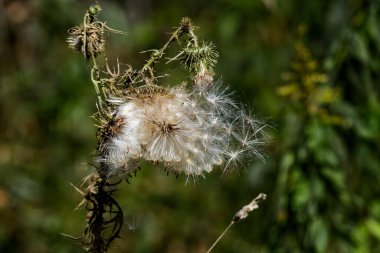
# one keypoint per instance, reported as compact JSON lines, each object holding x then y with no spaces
{"x":240,"y":215}
{"x":220,"y":236}
{"x":104,"y":213}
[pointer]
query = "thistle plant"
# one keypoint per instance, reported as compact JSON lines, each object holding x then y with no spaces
{"x":189,"y":128}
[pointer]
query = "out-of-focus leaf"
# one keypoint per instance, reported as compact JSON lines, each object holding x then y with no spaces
{"x":359,"y":48}
{"x":335,"y":176}
{"x":319,"y":234}
{"x":317,"y":188}
{"x":287,"y":161}
{"x":373,"y":227}
{"x":300,"y":190}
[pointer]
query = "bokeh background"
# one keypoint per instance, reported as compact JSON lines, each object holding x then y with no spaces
{"x":310,"y":69}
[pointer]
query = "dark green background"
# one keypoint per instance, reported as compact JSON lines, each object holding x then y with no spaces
{"x":322,"y":180}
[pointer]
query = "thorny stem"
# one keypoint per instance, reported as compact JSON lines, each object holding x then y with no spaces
{"x":104,"y":214}
{"x":99,"y":199}
{"x":148,"y":67}
{"x":98,"y":243}
{"x":85,"y":20}
{"x":157,"y":54}
{"x":95,"y":82}
{"x":240,"y":215}
{"x":94,"y":70}
{"x":193,"y":37}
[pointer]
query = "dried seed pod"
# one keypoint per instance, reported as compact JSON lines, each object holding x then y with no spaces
{"x":186,"y":24}
{"x":88,"y":40}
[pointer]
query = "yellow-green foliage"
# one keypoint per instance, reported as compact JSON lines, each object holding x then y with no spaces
{"x":307,"y":86}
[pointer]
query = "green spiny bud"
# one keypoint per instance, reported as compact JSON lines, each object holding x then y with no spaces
{"x":194,"y":58}
{"x":94,"y":9}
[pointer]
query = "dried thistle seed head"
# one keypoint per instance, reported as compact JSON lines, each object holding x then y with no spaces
{"x":75,"y":39}
{"x":114,"y":126}
{"x":188,"y":131}
{"x":95,"y":40}
{"x":145,"y":92}
{"x":88,"y":40}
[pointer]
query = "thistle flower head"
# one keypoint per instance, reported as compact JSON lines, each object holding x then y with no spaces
{"x":186,"y":130}
{"x":190,"y":130}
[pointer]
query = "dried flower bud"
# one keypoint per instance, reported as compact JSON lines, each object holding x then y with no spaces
{"x":75,"y":39}
{"x":89,"y":40}
{"x":203,"y":80}
{"x":186,"y":24}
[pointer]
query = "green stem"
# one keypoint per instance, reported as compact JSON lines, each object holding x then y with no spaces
{"x":194,"y":38}
{"x":95,"y":82}
{"x":157,"y":54}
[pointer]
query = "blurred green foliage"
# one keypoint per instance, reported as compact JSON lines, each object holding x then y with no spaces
{"x":321,"y":176}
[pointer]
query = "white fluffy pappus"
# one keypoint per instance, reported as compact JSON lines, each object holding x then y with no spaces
{"x":189,"y":132}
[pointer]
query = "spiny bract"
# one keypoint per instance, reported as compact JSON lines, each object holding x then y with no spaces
{"x":189,"y":131}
